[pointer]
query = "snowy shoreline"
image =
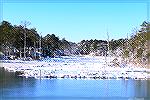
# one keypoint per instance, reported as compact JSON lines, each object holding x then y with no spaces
{"x":87,"y":67}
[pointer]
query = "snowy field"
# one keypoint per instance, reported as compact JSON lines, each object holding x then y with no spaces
{"x":87,"y":67}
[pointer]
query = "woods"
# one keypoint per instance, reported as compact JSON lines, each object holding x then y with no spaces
{"x":20,"y":41}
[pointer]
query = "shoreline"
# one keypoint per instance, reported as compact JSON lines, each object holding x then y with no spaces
{"x":76,"y":67}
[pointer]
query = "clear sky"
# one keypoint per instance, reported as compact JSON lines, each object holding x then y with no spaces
{"x":79,"y":20}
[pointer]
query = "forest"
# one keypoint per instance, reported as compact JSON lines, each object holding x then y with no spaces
{"x":20,"y":41}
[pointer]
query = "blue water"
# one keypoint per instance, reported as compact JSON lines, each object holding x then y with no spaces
{"x":14,"y":88}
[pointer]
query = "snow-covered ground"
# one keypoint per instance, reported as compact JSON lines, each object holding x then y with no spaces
{"x":96,"y":67}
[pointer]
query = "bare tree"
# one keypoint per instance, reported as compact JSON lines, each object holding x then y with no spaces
{"x":24,"y":24}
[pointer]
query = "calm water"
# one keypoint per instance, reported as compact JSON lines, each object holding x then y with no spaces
{"x":14,"y":88}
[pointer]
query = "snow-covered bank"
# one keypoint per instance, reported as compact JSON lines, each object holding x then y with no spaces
{"x":76,"y":67}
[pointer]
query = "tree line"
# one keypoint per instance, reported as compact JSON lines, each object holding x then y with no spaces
{"x":12,"y":38}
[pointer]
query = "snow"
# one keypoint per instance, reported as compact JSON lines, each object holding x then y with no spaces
{"x":75,"y":66}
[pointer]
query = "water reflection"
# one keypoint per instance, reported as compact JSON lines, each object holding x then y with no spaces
{"x":135,"y":88}
{"x":12,"y":85}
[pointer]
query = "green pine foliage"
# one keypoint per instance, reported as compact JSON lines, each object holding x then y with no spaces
{"x":12,"y":36}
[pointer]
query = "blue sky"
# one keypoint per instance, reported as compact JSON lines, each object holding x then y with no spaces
{"x":78,"y":21}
